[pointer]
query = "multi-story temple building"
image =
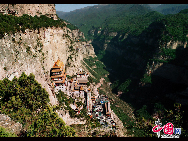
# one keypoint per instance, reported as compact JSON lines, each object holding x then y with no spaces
{"x":58,"y":75}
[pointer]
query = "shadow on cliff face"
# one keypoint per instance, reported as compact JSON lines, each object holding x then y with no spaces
{"x":169,"y":82}
{"x":130,"y":62}
{"x":126,"y":55}
{"x":169,"y":86}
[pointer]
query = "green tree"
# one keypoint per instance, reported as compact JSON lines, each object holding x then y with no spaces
{"x":142,"y":113}
{"x":124,"y":86}
{"x":20,"y":98}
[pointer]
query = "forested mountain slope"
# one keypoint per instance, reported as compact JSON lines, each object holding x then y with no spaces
{"x":152,"y":64}
{"x":146,"y":58}
{"x":95,"y":16}
{"x":26,"y":102}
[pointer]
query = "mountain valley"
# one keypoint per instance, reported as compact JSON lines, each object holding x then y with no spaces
{"x":109,"y":70}
{"x":145,"y":69}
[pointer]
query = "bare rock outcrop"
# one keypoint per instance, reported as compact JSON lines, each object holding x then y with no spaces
{"x":30,"y":9}
{"x":68,"y":120}
{"x":33,"y":52}
{"x":6,"y":122}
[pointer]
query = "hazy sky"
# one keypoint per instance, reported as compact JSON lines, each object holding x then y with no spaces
{"x":70,"y":7}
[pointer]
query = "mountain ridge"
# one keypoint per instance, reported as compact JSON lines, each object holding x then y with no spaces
{"x":85,"y":19}
{"x":170,"y":8}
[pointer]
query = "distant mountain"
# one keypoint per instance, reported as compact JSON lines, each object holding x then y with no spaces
{"x":95,"y":16}
{"x":170,"y":8}
{"x":60,"y":13}
{"x":153,"y":6}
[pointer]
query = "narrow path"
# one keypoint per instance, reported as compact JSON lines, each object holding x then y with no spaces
{"x":84,"y":67}
{"x":120,"y":129}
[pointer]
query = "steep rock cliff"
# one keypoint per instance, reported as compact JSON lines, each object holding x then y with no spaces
{"x":30,"y":9}
{"x":36,"y":52}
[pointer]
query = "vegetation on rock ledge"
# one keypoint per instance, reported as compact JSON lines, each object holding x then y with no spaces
{"x":13,"y":24}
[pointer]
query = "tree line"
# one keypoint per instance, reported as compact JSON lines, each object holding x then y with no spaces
{"x":12,"y":24}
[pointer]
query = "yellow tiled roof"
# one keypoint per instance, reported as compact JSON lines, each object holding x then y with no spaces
{"x":56,"y":70}
{"x":58,"y":64}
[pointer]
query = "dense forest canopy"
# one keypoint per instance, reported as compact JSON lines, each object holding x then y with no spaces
{"x":132,"y":24}
{"x":26,"y":102}
{"x":97,"y":15}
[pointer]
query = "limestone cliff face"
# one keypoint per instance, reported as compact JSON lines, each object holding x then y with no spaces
{"x":30,"y":9}
{"x":36,"y":52}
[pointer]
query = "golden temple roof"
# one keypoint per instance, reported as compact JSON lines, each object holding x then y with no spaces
{"x":56,"y":70}
{"x":58,"y":64}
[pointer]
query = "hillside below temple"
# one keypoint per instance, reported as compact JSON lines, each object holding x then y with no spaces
{"x":30,"y":9}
